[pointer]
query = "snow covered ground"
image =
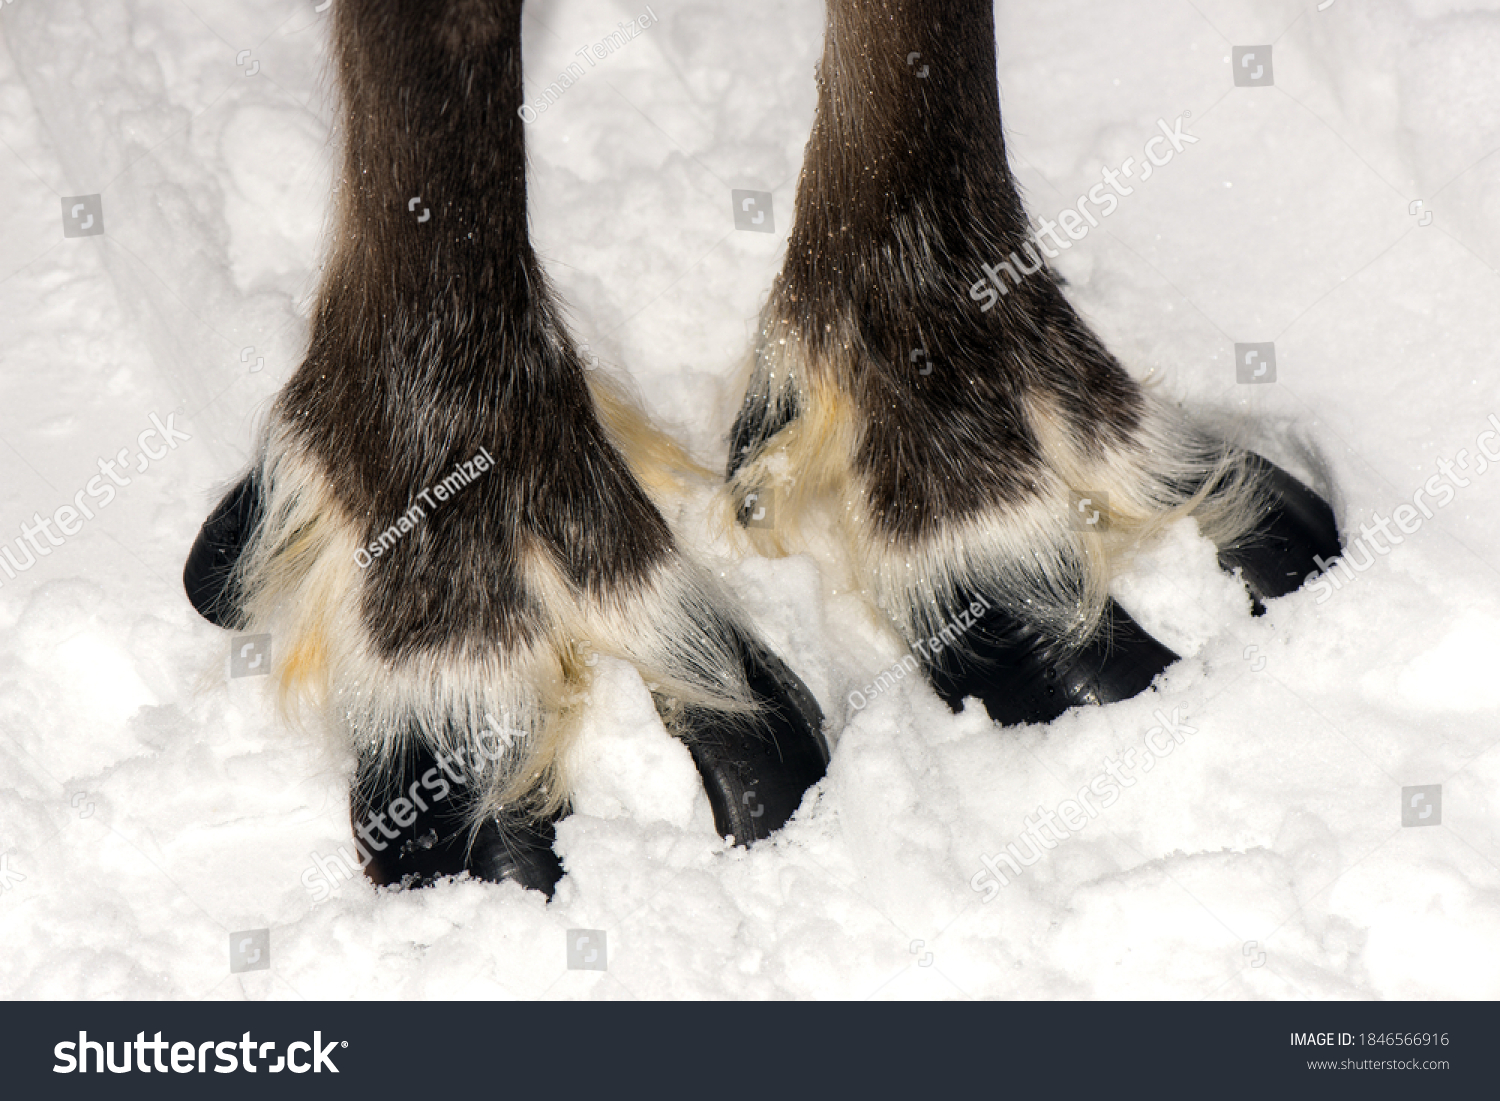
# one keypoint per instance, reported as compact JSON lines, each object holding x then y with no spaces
{"x":151,"y":806}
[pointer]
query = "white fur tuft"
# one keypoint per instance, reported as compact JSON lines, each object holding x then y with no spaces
{"x":301,"y":585}
{"x":1042,"y":567}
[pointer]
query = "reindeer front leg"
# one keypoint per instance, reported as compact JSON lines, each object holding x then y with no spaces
{"x":922,"y":379}
{"x":440,"y":528}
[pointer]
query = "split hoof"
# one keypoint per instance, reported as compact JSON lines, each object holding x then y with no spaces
{"x":756,"y":768}
{"x":208,"y":575}
{"x":1022,"y":676}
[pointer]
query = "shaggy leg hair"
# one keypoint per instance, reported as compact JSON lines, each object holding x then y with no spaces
{"x":951,"y":433}
{"x":442,"y":531}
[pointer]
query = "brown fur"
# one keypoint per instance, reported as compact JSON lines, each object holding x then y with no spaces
{"x":905,"y":193}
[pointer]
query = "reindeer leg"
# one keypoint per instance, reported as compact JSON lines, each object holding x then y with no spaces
{"x":921,"y":377}
{"x":439,"y":516}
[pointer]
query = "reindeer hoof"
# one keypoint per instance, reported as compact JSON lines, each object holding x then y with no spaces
{"x":1023,"y":676}
{"x":208,"y":575}
{"x":438,"y":840}
{"x":1296,"y":531}
{"x":501,"y":852}
{"x":756,"y":768}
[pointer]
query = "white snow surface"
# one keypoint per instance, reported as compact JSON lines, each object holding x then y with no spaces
{"x":155,"y":806}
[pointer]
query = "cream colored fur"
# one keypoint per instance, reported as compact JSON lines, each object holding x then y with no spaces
{"x":1040,"y":566}
{"x":302,"y":586}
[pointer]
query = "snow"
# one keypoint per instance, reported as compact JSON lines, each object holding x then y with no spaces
{"x":154,"y":806}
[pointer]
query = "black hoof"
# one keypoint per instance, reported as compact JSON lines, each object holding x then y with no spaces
{"x":756,"y":768}
{"x":1297,"y":528}
{"x":1022,"y":676}
{"x":436,"y":839}
{"x":208,"y":575}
